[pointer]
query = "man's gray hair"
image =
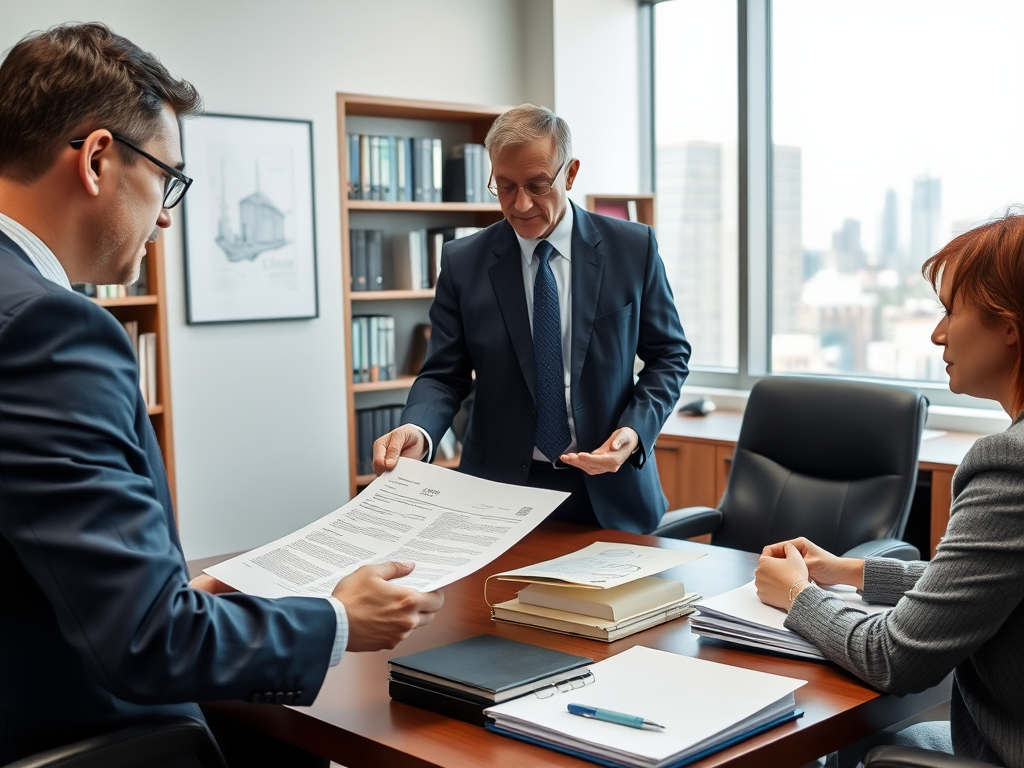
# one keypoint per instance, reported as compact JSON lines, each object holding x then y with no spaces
{"x":526,"y":123}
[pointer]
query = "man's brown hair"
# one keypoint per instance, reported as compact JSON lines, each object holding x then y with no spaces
{"x":62,"y":84}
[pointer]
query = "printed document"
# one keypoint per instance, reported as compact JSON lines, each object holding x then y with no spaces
{"x":601,"y":565}
{"x":449,"y":523}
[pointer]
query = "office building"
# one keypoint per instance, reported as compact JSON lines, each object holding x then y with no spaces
{"x":925,"y":219}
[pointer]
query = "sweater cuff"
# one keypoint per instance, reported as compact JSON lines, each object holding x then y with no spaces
{"x":811,"y":614}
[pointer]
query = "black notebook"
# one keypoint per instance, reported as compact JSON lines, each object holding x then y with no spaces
{"x":489,"y":668}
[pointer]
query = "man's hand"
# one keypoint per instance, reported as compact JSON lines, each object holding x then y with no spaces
{"x":407,"y":441}
{"x":209,"y":584}
{"x":381,"y":615}
{"x":823,"y":567}
{"x":609,"y":457}
{"x":779,"y":578}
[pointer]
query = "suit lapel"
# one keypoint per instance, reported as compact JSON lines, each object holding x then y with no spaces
{"x":506,"y":275}
{"x":587,"y":269}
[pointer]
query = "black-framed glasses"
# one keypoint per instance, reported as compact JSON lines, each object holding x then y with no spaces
{"x":177,"y":183}
{"x":533,"y":189}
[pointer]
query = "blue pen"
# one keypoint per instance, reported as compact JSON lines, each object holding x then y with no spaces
{"x":608,"y":716}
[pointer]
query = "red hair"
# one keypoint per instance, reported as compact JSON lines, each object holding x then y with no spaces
{"x":985,"y":267}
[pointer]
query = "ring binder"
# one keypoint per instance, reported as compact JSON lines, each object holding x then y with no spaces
{"x":562,"y":686}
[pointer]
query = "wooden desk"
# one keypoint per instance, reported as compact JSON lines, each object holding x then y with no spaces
{"x":694,"y":452}
{"x":354,"y":722}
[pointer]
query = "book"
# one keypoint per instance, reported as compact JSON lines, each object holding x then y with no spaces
{"x":615,"y":603}
{"x":423,"y":173}
{"x":485,"y":670}
{"x":580,"y":625}
{"x":437,"y":170}
{"x":407,"y":258}
{"x":147,"y":368}
{"x":435,"y":240}
{"x":374,"y":260}
{"x":739,"y":617}
{"x":357,"y":254}
{"x":418,"y":345}
{"x":703,"y":706}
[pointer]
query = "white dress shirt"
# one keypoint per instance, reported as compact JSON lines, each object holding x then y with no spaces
{"x":50,"y":268}
{"x":561,"y":265}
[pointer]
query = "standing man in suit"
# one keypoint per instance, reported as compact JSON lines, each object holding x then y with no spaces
{"x":101,"y":628}
{"x":549,"y":308}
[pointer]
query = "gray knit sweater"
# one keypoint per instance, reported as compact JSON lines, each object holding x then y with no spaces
{"x":963,"y":611}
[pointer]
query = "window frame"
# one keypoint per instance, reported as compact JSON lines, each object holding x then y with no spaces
{"x":754,"y":66}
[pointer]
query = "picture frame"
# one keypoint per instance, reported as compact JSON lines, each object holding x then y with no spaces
{"x":249,"y":216}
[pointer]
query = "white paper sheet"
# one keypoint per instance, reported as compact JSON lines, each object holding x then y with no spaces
{"x":449,"y":523}
{"x":697,"y":701}
{"x":601,"y":565}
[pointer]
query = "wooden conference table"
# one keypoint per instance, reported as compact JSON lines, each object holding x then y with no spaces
{"x":354,"y":722}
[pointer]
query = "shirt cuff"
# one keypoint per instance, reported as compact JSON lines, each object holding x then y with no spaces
{"x":430,"y":443}
{"x":340,"y":632}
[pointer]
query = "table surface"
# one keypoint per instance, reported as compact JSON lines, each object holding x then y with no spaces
{"x":945,"y":450}
{"x":354,"y":722}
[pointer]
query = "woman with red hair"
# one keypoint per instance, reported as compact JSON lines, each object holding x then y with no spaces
{"x":963,"y":611}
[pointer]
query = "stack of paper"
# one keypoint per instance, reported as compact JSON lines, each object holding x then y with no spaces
{"x":703,"y":706}
{"x":740,"y":617}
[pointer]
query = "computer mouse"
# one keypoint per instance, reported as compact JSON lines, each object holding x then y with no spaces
{"x":699,"y":407}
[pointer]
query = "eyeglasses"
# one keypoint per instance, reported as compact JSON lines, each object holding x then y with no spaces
{"x":533,"y":189}
{"x":175,"y":186}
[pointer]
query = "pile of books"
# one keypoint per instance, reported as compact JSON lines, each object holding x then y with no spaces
{"x":739,"y":617}
{"x":601,"y":614}
{"x":462,"y":679}
{"x":394,"y":168}
{"x":373,"y":348}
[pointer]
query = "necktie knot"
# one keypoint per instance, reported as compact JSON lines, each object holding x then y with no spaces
{"x":544,"y":251}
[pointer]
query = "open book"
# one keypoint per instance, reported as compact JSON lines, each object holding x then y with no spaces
{"x":740,"y":617}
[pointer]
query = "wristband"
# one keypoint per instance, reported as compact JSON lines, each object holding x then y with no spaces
{"x":802,"y":581}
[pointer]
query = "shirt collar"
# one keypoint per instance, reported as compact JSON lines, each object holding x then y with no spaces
{"x":36,"y":250}
{"x":560,"y":238}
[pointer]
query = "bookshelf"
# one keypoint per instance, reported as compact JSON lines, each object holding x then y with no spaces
{"x":382,"y":116}
{"x":150,"y":311}
{"x":618,"y":206}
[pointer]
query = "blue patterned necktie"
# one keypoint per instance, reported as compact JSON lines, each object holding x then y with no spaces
{"x":552,"y":421}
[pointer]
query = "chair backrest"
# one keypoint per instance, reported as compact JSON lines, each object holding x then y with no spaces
{"x":176,"y":742}
{"x":834,"y":461}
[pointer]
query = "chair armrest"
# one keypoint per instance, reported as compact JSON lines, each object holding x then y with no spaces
{"x":909,"y":757}
{"x":688,"y":522}
{"x":894,"y":548}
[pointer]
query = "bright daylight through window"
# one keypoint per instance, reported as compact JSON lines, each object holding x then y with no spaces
{"x":895,"y":126}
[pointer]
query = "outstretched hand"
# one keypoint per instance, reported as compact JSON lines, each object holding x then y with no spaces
{"x":406,"y":441}
{"x":381,"y":614}
{"x":607,"y":458}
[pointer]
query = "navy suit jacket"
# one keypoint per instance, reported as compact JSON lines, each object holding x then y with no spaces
{"x":98,"y":627}
{"x":622,"y":306}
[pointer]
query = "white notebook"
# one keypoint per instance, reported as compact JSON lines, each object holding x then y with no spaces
{"x":704,"y":707}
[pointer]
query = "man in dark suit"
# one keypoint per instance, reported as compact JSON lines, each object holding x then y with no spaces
{"x":101,"y":628}
{"x":548,"y":309}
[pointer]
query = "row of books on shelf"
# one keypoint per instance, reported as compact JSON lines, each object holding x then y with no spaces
{"x":413,"y":260}
{"x":414,"y":169}
{"x":144,"y":345}
{"x":371,"y":423}
{"x":373,"y":348}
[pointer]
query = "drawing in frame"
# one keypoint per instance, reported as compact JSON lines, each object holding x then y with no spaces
{"x":250,"y":234}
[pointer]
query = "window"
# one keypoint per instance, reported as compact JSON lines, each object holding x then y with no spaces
{"x":695,"y":173}
{"x":893,"y":132}
{"x":809,"y":155}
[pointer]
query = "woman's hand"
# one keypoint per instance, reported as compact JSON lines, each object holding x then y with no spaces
{"x":823,"y":567}
{"x":780,"y":579}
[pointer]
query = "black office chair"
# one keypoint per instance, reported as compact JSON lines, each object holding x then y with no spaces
{"x":908,"y":757}
{"x":177,"y":742}
{"x":834,"y":461}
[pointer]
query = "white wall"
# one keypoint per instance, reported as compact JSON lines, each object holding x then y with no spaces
{"x":259,"y":408}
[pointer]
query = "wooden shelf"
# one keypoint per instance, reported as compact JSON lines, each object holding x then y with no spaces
{"x":453,"y":124}
{"x":155,"y":410}
{"x":424,"y":293}
{"x":402,"y":382}
{"x":384,"y":205}
{"x":129,"y":301}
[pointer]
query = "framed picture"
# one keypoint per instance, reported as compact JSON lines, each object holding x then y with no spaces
{"x":250,"y":244}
